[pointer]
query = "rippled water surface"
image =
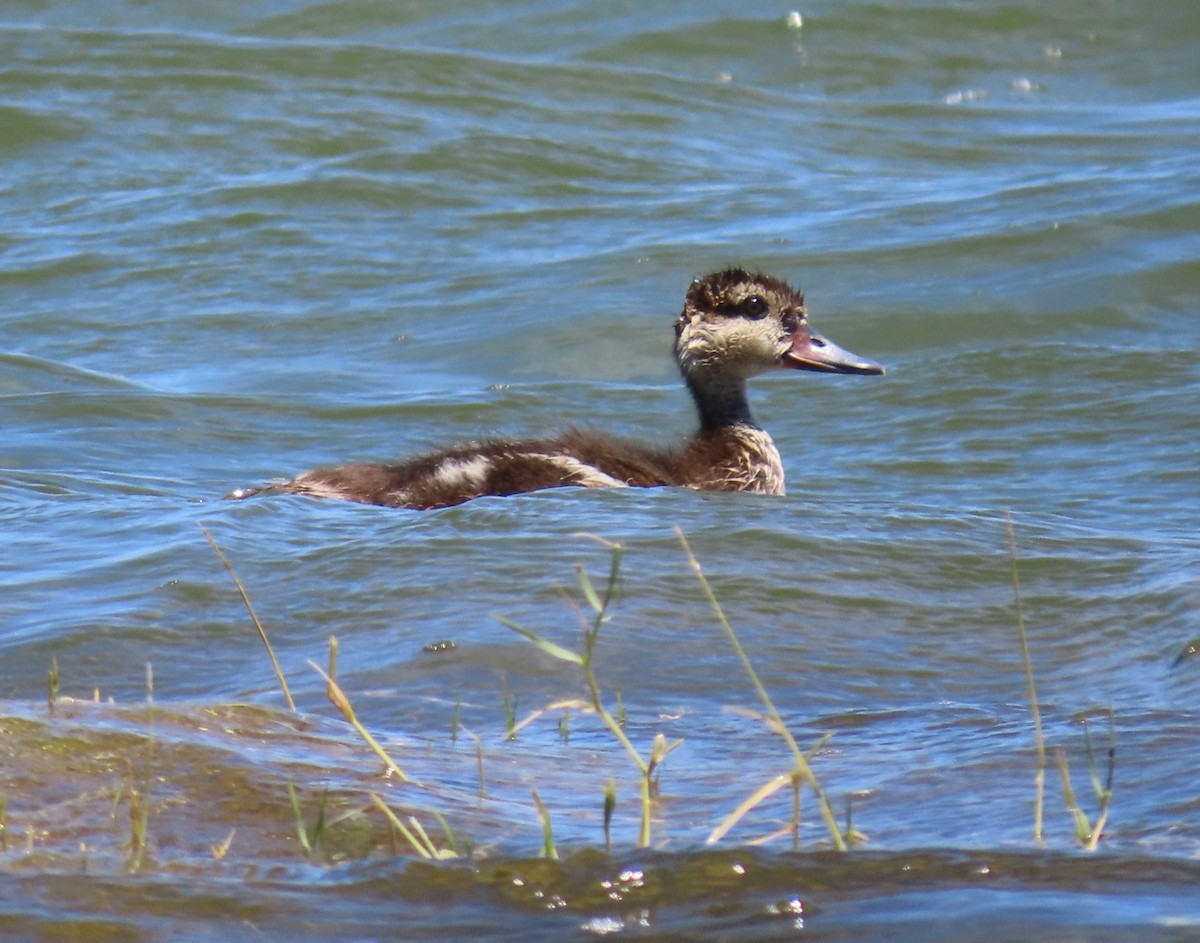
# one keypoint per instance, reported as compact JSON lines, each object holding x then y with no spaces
{"x":244,"y":240}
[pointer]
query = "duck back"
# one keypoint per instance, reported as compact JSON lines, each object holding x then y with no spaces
{"x":726,"y":460}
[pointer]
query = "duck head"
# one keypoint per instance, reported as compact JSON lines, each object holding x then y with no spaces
{"x":736,"y":324}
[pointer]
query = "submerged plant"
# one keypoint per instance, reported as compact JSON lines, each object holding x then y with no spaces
{"x":1190,"y":649}
{"x":139,"y":798}
{"x":416,"y":836}
{"x":310,"y":838}
{"x":52,"y":685}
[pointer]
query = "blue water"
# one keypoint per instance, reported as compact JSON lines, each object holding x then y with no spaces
{"x":239,"y":243}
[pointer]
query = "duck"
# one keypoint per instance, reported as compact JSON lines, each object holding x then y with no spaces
{"x":735,"y":324}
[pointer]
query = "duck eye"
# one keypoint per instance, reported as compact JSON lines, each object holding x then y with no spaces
{"x":754,"y":307}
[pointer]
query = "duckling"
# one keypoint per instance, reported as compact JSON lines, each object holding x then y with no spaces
{"x":734,"y":325}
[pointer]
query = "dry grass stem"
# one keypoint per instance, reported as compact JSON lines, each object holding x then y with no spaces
{"x":338,"y":698}
{"x":262,"y":633}
{"x":566,"y":704}
{"x":765,"y":791}
{"x":776,"y":722}
{"x":1030,"y":689}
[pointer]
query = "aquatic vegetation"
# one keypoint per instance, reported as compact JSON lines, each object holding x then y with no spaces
{"x":1190,"y":649}
{"x":52,"y":685}
{"x":548,"y":848}
{"x":262,"y":633}
{"x":310,"y":837}
{"x":599,"y":603}
{"x":1039,"y":739}
{"x":140,"y":792}
{"x":1087,"y":833}
{"x":416,"y":836}
{"x":802,"y":771}
{"x":338,"y":698}
{"x":147,"y":777}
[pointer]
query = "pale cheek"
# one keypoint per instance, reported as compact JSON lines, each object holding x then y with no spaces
{"x":741,"y":350}
{"x":750,"y":348}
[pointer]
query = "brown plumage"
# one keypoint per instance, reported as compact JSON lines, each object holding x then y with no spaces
{"x":734,"y":325}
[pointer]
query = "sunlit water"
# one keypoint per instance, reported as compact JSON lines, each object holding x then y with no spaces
{"x":243,"y":241}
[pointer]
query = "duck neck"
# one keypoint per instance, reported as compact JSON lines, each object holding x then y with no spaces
{"x":721,"y":402}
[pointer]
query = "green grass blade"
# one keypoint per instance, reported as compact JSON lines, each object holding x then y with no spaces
{"x":1083,"y":828}
{"x":548,"y":849}
{"x":401,"y":827}
{"x":550,"y":648}
{"x":589,"y":591}
{"x":301,"y":828}
{"x":52,"y":684}
{"x":610,"y":806}
{"x":447,"y":832}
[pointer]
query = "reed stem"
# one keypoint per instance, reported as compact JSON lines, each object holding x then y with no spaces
{"x":1030,"y":688}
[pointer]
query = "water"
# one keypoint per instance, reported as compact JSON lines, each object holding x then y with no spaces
{"x":243,"y":242}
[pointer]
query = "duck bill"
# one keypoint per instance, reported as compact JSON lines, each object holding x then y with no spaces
{"x":810,"y":351}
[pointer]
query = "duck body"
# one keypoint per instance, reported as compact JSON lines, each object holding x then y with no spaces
{"x":728,"y":460}
{"x":734,"y":325}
